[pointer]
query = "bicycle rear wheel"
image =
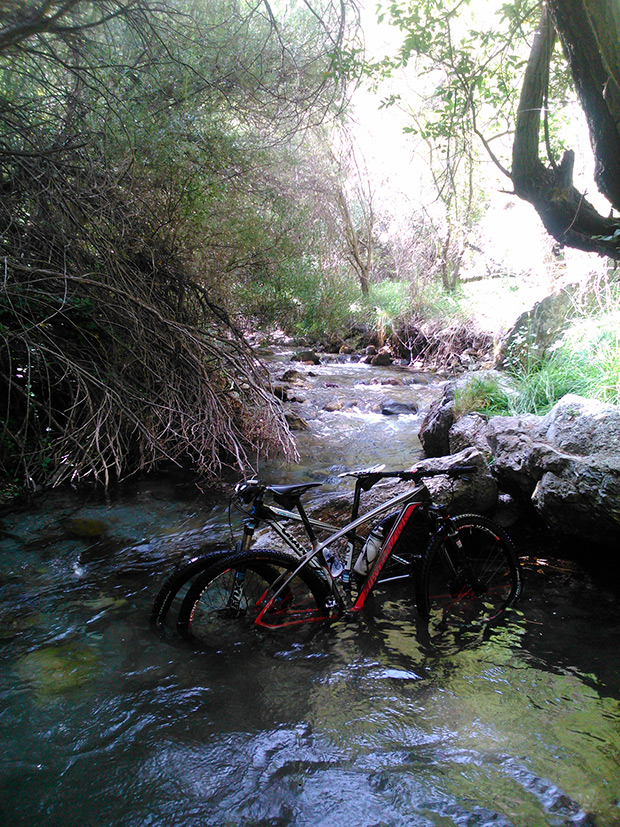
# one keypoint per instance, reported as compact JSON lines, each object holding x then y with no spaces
{"x":243,"y":591}
{"x":470,"y":581}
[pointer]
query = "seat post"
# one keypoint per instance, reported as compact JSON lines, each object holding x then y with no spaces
{"x":305,"y":520}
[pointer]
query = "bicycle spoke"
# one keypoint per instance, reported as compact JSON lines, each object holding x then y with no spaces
{"x":249,"y":590}
{"x":472,"y":584}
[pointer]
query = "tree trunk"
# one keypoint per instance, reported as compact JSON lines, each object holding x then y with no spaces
{"x":564,"y":211}
{"x":359,"y":253}
{"x":589,"y":34}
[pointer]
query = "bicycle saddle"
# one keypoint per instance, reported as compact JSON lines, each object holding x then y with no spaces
{"x":292,"y":491}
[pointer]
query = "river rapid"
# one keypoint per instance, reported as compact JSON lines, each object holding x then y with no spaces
{"x":105,"y":721}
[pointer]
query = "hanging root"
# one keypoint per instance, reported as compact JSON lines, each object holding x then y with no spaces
{"x":113,"y":359}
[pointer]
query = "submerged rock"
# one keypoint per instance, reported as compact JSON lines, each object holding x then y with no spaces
{"x":86,"y":528}
{"x":53,"y":670}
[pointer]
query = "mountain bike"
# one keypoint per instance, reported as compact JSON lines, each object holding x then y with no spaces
{"x":464,"y":568}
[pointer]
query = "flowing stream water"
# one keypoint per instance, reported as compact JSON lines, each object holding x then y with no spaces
{"x":105,"y":721}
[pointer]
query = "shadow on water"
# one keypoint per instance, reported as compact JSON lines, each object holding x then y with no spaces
{"x":367,"y":721}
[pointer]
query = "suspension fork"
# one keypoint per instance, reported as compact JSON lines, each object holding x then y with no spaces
{"x":249,"y":527}
{"x":350,"y":537}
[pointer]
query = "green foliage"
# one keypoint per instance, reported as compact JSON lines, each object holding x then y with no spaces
{"x":391,"y":298}
{"x":473,"y":56}
{"x":484,"y":395}
{"x":433,"y":303}
{"x":586,"y":363}
{"x":141,"y":149}
{"x":550,"y":380}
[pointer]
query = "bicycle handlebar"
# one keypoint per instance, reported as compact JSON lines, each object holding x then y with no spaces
{"x":250,"y":489}
{"x":456,"y":471}
{"x":418,"y":473}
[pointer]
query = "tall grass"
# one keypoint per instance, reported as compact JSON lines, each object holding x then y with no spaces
{"x":484,"y":395}
{"x":586,"y":362}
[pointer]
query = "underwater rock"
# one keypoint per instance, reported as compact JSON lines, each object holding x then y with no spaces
{"x":53,"y":670}
{"x":87,"y":528}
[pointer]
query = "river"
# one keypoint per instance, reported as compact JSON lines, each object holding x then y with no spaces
{"x":104,"y":721}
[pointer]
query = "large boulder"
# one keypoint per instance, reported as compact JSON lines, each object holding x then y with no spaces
{"x":477,"y":492}
{"x":536,"y":330}
{"x":467,"y":432}
{"x":566,"y":463}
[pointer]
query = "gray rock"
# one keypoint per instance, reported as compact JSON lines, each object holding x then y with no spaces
{"x":567,"y":463}
{"x":510,"y":442}
{"x":477,"y":493}
{"x":583,"y":426}
{"x":469,"y":431}
{"x":582,"y":501}
{"x":436,"y":425}
{"x":390,"y":407}
{"x":536,"y":330}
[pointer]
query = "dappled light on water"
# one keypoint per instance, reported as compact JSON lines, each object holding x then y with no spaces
{"x":369,"y":720}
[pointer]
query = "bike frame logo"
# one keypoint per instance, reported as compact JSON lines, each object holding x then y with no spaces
{"x":389,"y":544}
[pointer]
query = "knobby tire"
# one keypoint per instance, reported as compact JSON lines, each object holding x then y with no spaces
{"x":180,"y":580}
{"x":212,"y":611}
{"x":446,"y":597}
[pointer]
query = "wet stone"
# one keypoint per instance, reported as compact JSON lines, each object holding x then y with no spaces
{"x":308,"y":356}
{"x":296,"y":422}
{"x":390,"y":407}
{"x":53,"y":670}
{"x":87,"y":528}
{"x":292,"y":376}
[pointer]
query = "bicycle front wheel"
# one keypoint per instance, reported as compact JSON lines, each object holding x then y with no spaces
{"x":252,"y":589}
{"x":177,"y":585}
{"x":471,"y":579}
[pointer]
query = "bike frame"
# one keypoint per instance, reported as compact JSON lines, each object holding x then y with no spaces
{"x":408,"y":502}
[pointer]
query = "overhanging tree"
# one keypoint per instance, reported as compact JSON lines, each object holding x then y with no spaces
{"x":476,"y":70}
{"x":593,"y":59}
{"x":128,"y":128}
